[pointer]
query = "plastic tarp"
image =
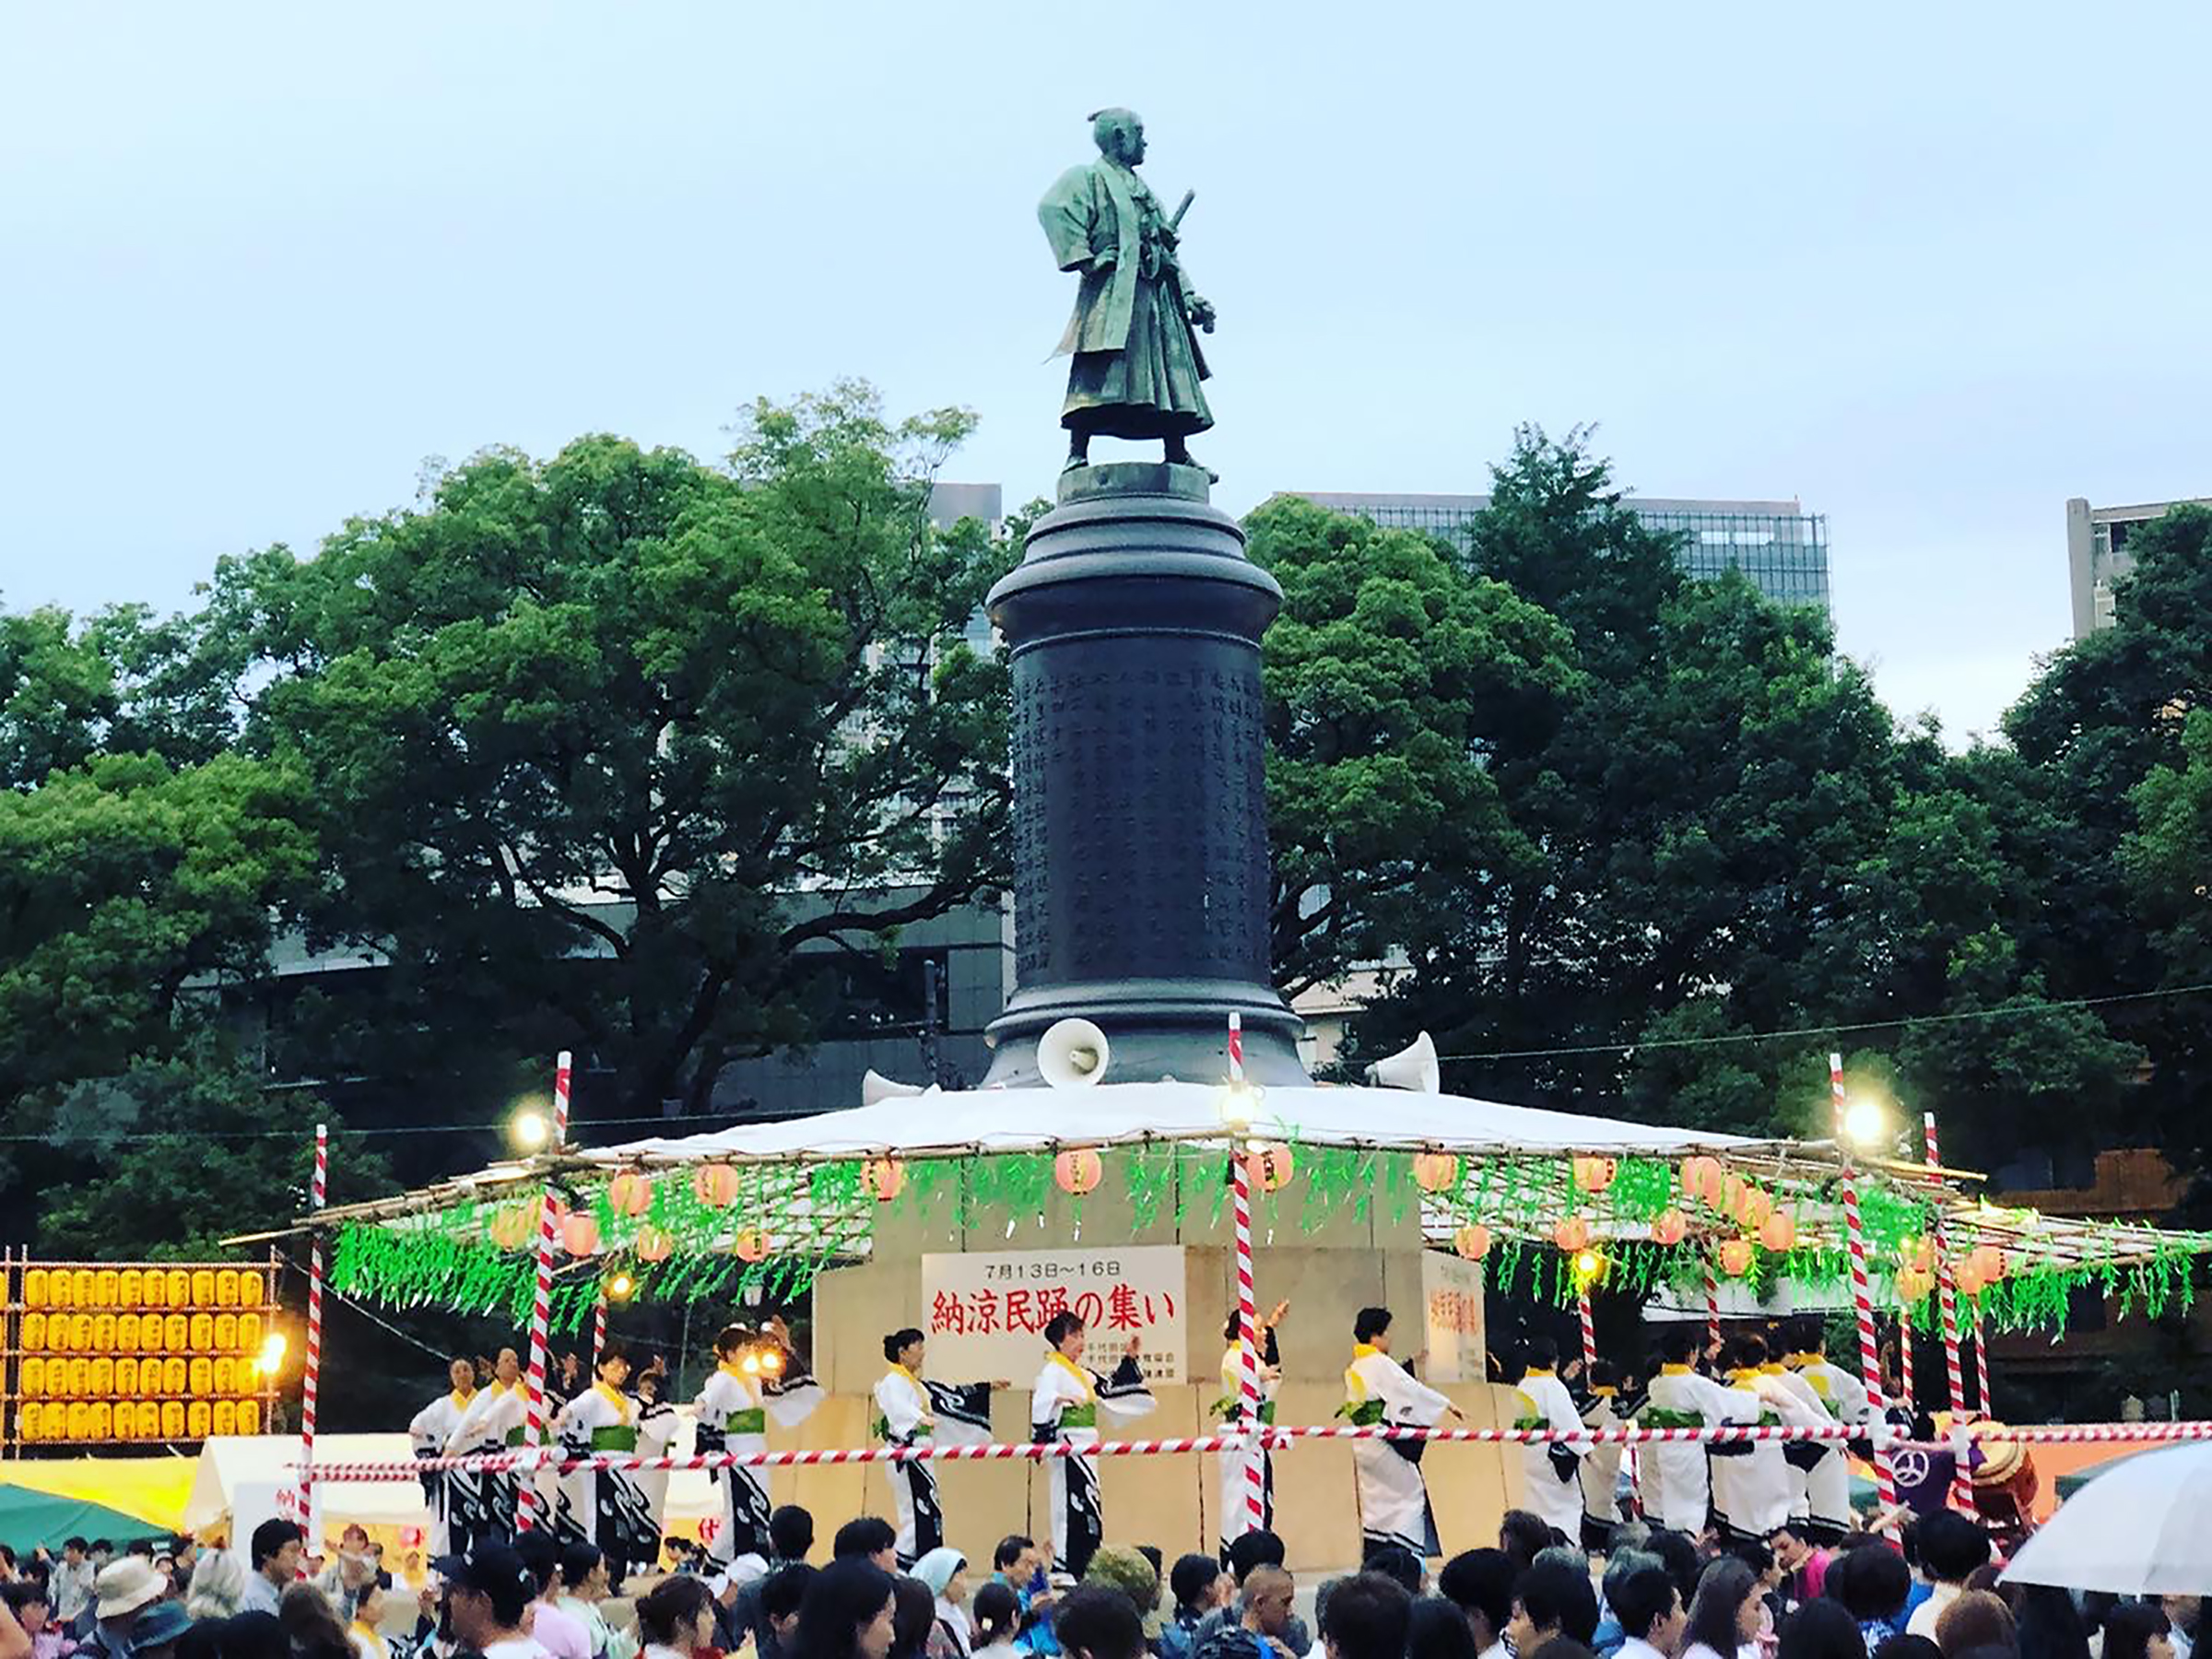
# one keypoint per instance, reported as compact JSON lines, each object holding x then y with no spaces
{"x":29,"y":1519}
{"x":1022,"y":1120}
{"x":152,"y":1490}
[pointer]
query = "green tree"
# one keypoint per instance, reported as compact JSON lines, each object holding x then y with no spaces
{"x":618,"y":752}
{"x":56,"y":692}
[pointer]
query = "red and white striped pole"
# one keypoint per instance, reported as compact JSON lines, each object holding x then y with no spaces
{"x":311,"y":1374}
{"x":598,"y":1331}
{"x":541,"y":1308}
{"x":1712,"y":1299}
{"x":1589,"y":1332}
{"x":1862,"y":1297}
{"x":1904,"y":1358}
{"x":1248,"y":1318}
{"x":1981,"y":1367}
{"x":1947,"y":1292}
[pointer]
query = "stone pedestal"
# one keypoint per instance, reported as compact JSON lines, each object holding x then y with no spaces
{"x":1140,"y":815}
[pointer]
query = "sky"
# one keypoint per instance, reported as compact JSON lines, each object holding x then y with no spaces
{"x":1930,"y":270}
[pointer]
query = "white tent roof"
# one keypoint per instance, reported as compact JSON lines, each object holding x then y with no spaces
{"x":1020,"y":1119}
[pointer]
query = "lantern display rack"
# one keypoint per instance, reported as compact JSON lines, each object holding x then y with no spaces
{"x":136,"y":1353}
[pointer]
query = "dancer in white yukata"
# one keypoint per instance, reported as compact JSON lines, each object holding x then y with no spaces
{"x":1394,"y":1499}
{"x":756,"y":1378}
{"x":1229,"y":1465}
{"x":432,"y":1431}
{"x":913,"y":1411}
{"x":610,"y":1507}
{"x":1064,"y":1404}
{"x":1674,"y":1480}
{"x":484,"y":1503}
{"x":1751,"y":1493}
{"x":1605,"y":1402}
{"x":658,"y":1424}
{"x":1844,"y":1397}
{"x":1551,"y":1470}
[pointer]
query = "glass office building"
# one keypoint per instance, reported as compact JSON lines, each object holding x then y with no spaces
{"x":1778,"y":546}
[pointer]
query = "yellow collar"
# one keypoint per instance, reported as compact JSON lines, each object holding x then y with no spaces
{"x":1743,"y":1377}
{"x":1802,"y":1360}
{"x":1605,"y":1390}
{"x":1538,"y":1370}
{"x":1769,"y":1371}
{"x":613,"y":1396}
{"x":1674,"y":1371}
{"x":495,"y":1387}
{"x":900,"y":1370}
{"x":1363,"y":1350}
{"x":733,"y":1369}
{"x":1054,"y":1357}
{"x":459,"y":1399}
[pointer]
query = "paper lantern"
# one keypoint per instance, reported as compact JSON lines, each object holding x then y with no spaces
{"x":1733,"y":1188}
{"x":883,"y":1179}
{"x":226,"y":1288}
{"x":1268,"y":1168}
{"x":249,"y":1289}
{"x":1778,"y":1231}
{"x":1436,"y":1172}
{"x":130,"y":1289}
{"x":1914,"y":1283}
{"x":629,"y":1193}
{"x":1472,"y":1240}
{"x":36,"y":1293}
{"x":1735,"y":1257}
{"x":1967,"y":1279}
{"x":1079,"y":1172}
{"x":580,"y":1233}
{"x":716,"y":1185}
{"x":1670,"y":1226}
{"x":1703,"y":1180}
{"x":1919,"y":1254}
{"x":1753,"y":1208}
{"x":153,"y":1289}
{"x":511,"y":1226}
{"x":249,"y":1416}
{"x":202,"y":1282}
{"x":1594,"y":1174}
{"x":751,"y":1245}
{"x":1989,"y":1262}
{"x":654,"y":1244}
{"x":1570,"y":1234}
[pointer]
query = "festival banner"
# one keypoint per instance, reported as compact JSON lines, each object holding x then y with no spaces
{"x":984,"y":1311}
{"x":1452,"y":1316}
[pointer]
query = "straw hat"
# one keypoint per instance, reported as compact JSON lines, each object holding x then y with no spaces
{"x":127,"y":1584}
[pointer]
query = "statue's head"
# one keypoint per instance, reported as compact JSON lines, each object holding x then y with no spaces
{"x":1120,"y":134}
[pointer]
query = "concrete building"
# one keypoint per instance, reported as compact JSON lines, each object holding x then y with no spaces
{"x":2096,"y":555}
{"x":1780,"y":546}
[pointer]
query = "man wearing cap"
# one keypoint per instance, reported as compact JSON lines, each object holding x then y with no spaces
{"x":488,"y":1593}
{"x":124,"y":1591}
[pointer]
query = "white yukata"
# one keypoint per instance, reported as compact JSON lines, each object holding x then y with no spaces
{"x":913,"y":1411}
{"x":1551,"y":1469}
{"x":1394,"y":1499}
{"x":658,"y":1425}
{"x":1598,"y":1474}
{"x":609,"y":1508}
{"x":432,"y":1431}
{"x":733,"y":1417}
{"x":1799,"y":1457}
{"x":493,"y":1422}
{"x":1229,"y":1465}
{"x":1673,"y":1479}
{"x":1827,"y":1483}
{"x":1064,"y":1404}
{"x":1751,"y":1490}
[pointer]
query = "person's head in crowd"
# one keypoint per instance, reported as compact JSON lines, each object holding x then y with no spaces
{"x":487,"y":1591}
{"x":1630,"y":1534}
{"x":1258,"y":1548}
{"x":1820,"y":1630}
{"x":1521,"y":1534}
{"x":2184,"y":1613}
{"x":1978,"y":1618}
{"x":1564,"y":1647}
{"x":541,"y":1555}
{"x":141,"y":1547}
{"x":790,"y":1532}
{"x":1268,"y":1595}
{"x":1726,"y":1612}
{"x":1199,"y":1585}
{"x":914,"y":1616}
{"x":312,"y":1625}
{"x":275,"y":1549}
{"x":868,"y":1538}
{"x":996,"y":1615}
{"x":1684,"y":1564}
{"x":1370,"y":1328}
{"x":1539,"y":1353}
{"x":1906,"y":1647}
{"x":27,"y":1600}
{"x":121,"y":1593}
{"x":250,"y":1636}
{"x":1952,"y":1548}
{"x":156,"y":1635}
{"x":1755,"y":1555}
{"x":1479,"y":1583}
{"x":678,"y":1614}
{"x":1118,"y":1567}
{"x":782,"y":1594}
{"x":1367,"y":1617}
{"x":1793,"y":1548}
{"x":1395,"y":1560}
{"x":103,"y":1551}
{"x":2050,"y":1625}
{"x":1094,"y":1623}
{"x":368,"y":1605}
{"x":1066,"y":1332}
{"x":1872,"y":1584}
{"x":218,"y":1588}
{"x":945,"y":1570}
{"x":1437,"y":1629}
{"x":1551,"y":1600}
{"x":1151,"y":1552}
{"x":1647,"y":1605}
{"x":1016,"y":1559}
{"x":1679,"y":1343}
{"x":583,"y":1572}
{"x":2131,"y":1631}
{"x":847,"y":1613}
{"x":75,"y":1551}
{"x":1566,"y":1555}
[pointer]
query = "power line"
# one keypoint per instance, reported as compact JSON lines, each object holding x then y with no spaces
{"x":686,"y":1125}
{"x":1834,"y":1031}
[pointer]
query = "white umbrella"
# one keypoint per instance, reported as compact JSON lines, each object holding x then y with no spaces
{"x":2143,"y":1527}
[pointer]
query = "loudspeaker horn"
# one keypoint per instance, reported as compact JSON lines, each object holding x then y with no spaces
{"x":876,"y":1089}
{"x":1073,"y":1054}
{"x":1413,"y":1067}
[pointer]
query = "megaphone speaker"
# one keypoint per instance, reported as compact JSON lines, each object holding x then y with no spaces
{"x":1073,"y":1054}
{"x":1413,"y":1067}
{"x":876,"y":1089}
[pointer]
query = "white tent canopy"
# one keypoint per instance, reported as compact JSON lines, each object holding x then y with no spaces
{"x":1036,"y":1120}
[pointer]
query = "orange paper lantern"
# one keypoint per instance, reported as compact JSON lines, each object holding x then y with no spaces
{"x":1472,"y":1240}
{"x":1966,"y":1278}
{"x":1594,"y":1174}
{"x":1435,"y":1172}
{"x":580,"y":1233}
{"x":1670,"y":1226}
{"x":1920,"y":1254}
{"x":654,"y":1244}
{"x":1778,"y":1231}
{"x":751,"y":1245}
{"x":1570,"y":1234}
{"x":1914,"y":1283}
{"x":885,"y":1178}
{"x":1735,"y":1257}
{"x":716,"y":1185}
{"x":511,"y":1226}
{"x":629,"y":1193}
{"x":1268,"y":1168}
{"x":1753,"y":1208}
{"x":1989,"y":1262}
{"x":1079,"y":1172}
